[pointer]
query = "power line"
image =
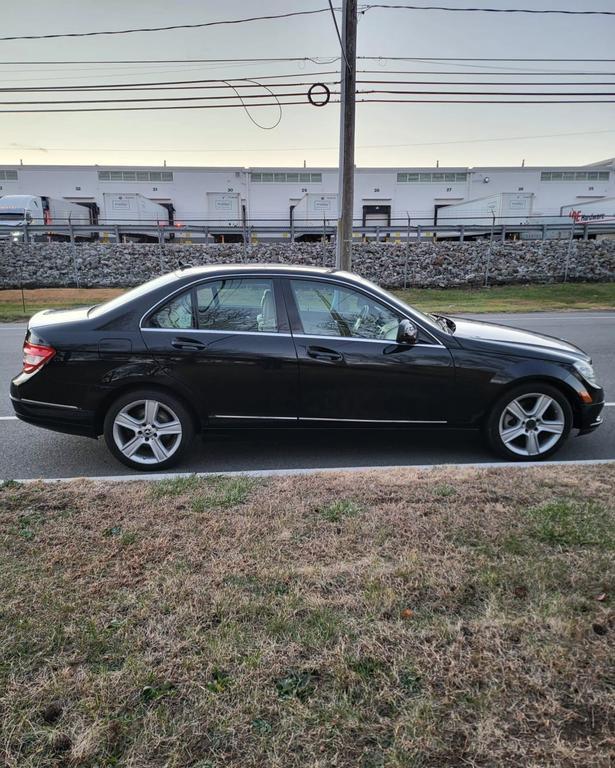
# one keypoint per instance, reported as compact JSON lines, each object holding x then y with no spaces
{"x":481,"y":74}
{"x":138,"y":89}
{"x":286,"y":94}
{"x":157,"y":84}
{"x":478,"y":93}
{"x":486,"y":101}
{"x":539,"y":11}
{"x":144,"y":109}
{"x":487,"y":84}
{"x":163,"y":98}
{"x":200,"y":25}
{"x":337,"y":31}
{"x":312,"y":59}
{"x":247,"y":111}
{"x":302,"y":84}
{"x":482,"y":58}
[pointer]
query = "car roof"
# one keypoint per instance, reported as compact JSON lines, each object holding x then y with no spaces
{"x":282,"y":269}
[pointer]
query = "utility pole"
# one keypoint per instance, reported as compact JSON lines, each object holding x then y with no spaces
{"x":343,"y":245}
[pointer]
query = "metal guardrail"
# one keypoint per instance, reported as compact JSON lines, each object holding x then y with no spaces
{"x":253,"y":232}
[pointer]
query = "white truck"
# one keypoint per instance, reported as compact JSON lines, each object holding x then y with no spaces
{"x":312,"y":211}
{"x":18,"y":210}
{"x":500,"y":208}
{"x":130,"y":209}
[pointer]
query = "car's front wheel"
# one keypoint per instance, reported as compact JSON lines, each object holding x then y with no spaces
{"x":148,"y":430}
{"x":529,"y":423}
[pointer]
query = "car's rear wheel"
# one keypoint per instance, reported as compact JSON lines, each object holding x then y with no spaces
{"x":148,"y":430}
{"x":529,"y":423}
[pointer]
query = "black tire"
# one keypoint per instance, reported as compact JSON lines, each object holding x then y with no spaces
{"x":559,"y":411}
{"x":167,"y":427}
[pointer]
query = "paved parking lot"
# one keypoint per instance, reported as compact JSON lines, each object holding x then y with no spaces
{"x":31,"y":452}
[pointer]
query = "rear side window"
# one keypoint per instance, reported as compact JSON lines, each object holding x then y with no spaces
{"x":244,"y":304}
{"x":177,"y":313}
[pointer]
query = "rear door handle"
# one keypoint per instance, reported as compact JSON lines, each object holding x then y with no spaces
{"x":322,"y":353}
{"x":187,"y":345}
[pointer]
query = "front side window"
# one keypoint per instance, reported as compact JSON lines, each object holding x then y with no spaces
{"x":244,"y":304}
{"x":326,"y":309}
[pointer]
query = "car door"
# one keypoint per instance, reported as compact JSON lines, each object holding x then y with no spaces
{"x":351,"y":368}
{"x":228,"y":341}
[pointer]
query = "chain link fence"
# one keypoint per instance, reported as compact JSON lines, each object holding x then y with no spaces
{"x":397,"y":265}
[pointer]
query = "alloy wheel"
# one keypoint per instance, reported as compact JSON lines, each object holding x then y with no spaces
{"x":532,"y":424}
{"x":147,"y":431}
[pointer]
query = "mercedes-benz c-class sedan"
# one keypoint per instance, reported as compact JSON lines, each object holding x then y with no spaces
{"x":239,"y":346}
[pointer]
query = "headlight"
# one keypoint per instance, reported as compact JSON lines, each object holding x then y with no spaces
{"x":587,"y":372}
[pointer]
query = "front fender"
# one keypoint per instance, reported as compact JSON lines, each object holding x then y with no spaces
{"x":483,"y":378}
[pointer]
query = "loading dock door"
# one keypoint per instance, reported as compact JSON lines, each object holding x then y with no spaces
{"x":376,"y":216}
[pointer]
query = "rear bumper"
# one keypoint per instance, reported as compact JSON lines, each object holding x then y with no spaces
{"x":590,"y":417}
{"x":59,"y":418}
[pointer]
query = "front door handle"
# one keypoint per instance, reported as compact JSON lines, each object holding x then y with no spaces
{"x":323,"y":353}
{"x":187,"y":345}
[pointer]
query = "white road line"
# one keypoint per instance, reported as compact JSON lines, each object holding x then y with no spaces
{"x":149,"y":477}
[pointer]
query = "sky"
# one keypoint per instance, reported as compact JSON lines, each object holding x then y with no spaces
{"x":395,"y":135}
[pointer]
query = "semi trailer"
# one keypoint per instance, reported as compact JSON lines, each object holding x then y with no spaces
{"x":18,"y":211}
{"x":498,"y":209}
{"x":133,"y":211}
{"x":313,"y":212}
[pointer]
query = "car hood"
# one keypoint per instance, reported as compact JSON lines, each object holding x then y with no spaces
{"x":467,"y":332}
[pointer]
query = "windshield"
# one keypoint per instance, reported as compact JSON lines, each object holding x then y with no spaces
{"x":135,"y":293}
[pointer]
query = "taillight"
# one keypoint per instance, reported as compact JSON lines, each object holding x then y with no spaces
{"x":35,"y":356}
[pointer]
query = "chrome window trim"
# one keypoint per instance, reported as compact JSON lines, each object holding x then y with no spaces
{"x":375,"y":421}
{"x":388,"y":342}
{"x":200,"y":281}
{"x":288,"y":276}
{"x":264,"y":418}
{"x":324,"y":418}
{"x":221,"y":333}
{"x":375,"y":297}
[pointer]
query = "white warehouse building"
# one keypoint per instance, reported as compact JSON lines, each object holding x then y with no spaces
{"x":267,"y":196}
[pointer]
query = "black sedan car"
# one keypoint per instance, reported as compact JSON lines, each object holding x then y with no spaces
{"x":239,"y":346}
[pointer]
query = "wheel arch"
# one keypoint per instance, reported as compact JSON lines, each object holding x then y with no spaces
{"x":566,"y":389}
{"x":115,"y":394}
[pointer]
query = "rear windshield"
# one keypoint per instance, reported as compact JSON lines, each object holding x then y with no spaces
{"x":134,"y":293}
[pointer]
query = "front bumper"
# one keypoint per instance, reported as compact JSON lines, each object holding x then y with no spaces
{"x":589,"y":417}
{"x":59,"y":418}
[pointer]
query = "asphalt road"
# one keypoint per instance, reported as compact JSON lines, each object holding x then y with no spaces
{"x":29,"y":452}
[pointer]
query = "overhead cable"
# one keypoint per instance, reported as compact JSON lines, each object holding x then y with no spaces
{"x":155,"y":84}
{"x":169,"y":28}
{"x":540,"y":11}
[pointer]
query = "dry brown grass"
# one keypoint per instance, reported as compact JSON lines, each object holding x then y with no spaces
{"x":394,"y":619}
{"x":61,"y":296}
{"x":504,"y":298}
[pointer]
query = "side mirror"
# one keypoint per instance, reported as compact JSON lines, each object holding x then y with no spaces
{"x":407,"y":333}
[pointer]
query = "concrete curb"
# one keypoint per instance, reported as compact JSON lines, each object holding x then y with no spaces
{"x":153,"y":477}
